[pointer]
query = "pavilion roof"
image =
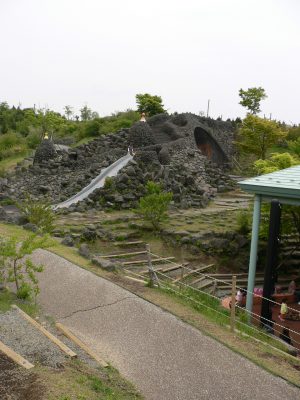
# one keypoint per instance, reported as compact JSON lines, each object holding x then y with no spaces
{"x":283,"y":185}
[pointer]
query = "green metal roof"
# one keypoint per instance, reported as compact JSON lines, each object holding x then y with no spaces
{"x":283,"y":185}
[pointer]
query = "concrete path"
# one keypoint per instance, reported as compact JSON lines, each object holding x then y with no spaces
{"x":165,"y":358}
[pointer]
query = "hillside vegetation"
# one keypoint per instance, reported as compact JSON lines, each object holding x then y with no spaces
{"x":22,"y":129}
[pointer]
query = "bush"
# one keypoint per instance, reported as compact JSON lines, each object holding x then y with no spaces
{"x":11,"y":144}
{"x":24,"y":292}
{"x":154,"y":206}
{"x":108,"y":182}
{"x":276,"y":162}
{"x":244,"y":222}
{"x":294,"y":146}
{"x":38,"y":213}
{"x":92,"y":128}
{"x":33,"y":140}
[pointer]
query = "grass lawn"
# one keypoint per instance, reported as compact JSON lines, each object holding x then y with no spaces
{"x":10,"y":163}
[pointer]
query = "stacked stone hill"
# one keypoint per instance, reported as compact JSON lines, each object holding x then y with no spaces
{"x":166,"y":151}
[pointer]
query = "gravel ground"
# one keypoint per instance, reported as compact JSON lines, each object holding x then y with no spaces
{"x":26,"y":340}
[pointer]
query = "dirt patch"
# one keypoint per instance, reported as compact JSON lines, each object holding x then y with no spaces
{"x":17,"y":383}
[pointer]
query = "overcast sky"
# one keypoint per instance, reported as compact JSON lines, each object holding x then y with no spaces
{"x":102,"y":53}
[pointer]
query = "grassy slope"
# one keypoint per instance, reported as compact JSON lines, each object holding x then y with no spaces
{"x":10,"y":163}
{"x":77,"y":381}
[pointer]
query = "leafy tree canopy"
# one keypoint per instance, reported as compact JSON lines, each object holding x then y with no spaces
{"x":251,"y":98}
{"x":149,"y":104}
{"x":257,"y":135}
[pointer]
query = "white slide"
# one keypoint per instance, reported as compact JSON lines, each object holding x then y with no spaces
{"x":96,"y":183}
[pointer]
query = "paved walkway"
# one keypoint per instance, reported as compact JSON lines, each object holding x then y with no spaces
{"x":165,"y":358}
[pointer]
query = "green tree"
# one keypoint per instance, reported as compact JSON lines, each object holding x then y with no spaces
{"x":150,"y":105}
{"x":85,"y":113}
{"x":258,"y":135}
{"x":251,"y":98}
{"x":276,"y":162}
{"x":14,"y":268}
{"x":68,"y":112}
{"x":153,"y":207}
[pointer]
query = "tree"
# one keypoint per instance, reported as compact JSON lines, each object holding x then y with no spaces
{"x":251,"y":98}
{"x":14,"y":268}
{"x":257,"y":135}
{"x":68,"y":112}
{"x":153,"y":207}
{"x":51,"y":121}
{"x":85,"y":113}
{"x":150,"y":105}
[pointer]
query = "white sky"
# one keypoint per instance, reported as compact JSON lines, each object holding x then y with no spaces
{"x":58,"y":52}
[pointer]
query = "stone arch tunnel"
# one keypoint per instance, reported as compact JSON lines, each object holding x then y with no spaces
{"x":209,"y":146}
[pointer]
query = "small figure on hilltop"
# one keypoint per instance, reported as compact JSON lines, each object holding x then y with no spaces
{"x":143,"y":117}
{"x":130,"y":150}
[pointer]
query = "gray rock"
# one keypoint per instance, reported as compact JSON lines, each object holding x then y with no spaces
{"x":31,"y":227}
{"x":84,"y":250}
{"x":44,"y":189}
{"x":104,"y":263}
{"x":130,"y":171}
{"x":3,"y":214}
{"x":68,"y":241}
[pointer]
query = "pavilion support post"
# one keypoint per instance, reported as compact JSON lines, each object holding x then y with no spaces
{"x":272,"y":260}
{"x":253,"y":252}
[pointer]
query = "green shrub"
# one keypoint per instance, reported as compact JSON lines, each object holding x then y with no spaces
{"x":154,"y":206}
{"x":294,"y":146}
{"x":24,"y":292}
{"x":38,"y":213}
{"x":276,"y":162}
{"x":108,"y":182}
{"x":244,"y":222}
{"x":33,"y":140}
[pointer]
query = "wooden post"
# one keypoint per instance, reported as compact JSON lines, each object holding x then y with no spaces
{"x":182,"y":267}
{"x":152,"y":274}
{"x":215,"y":285}
{"x":232,"y":313}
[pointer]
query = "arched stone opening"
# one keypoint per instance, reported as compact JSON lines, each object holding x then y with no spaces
{"x":209,"y":146}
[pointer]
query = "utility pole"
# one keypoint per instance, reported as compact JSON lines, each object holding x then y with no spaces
{"x":207,"y":114}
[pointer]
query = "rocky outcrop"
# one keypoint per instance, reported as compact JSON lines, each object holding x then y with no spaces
{"x":165,"y":151}
{"x":45,"y":152}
